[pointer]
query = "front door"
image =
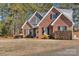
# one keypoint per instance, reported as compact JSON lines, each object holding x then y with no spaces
{"x":34,"y":32}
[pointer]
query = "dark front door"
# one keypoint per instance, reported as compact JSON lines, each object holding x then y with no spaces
{"x":30,"y":33}
{"x":34,"y":32}
{"x":48,"y":30}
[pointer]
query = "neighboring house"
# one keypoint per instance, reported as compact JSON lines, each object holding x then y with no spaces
{"x":54,"y":20}
{"x":76,"y":31}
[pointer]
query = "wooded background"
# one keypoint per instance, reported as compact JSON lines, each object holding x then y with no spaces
{"x":12,"y":16}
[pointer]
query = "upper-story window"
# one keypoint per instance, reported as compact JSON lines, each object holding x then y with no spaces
{"x":38,"y":15}
{"x":54,"y":16}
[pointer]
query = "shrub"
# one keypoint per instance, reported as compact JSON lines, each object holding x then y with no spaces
{"x":45,"y":36}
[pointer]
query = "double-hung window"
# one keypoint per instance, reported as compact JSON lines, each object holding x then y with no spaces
{"x":62,"y":28}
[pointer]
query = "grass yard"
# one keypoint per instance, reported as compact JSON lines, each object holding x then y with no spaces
{"x":24,"y":47}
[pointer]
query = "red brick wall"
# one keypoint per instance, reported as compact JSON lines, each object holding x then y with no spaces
{"x":60,"y":22}
{"x":65,"y":19}
{"x":45,"y":23}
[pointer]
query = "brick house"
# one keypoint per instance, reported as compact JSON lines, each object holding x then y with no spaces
{"x":54,"y":20}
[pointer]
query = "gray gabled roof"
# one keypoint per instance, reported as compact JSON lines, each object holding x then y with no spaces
{"x":68,"y":13}
{"x":33,"y":22}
